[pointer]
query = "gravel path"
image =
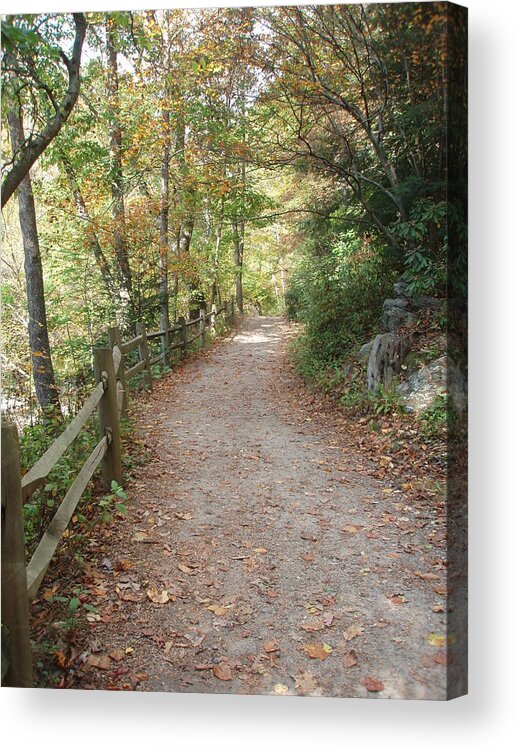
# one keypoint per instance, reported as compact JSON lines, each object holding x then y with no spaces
{"x":288,"y":569}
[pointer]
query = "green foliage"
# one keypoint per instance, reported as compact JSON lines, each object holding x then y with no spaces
{"x":337,"y":295}
{"x":34,"y":441}
{"x":111,"y":503}
{"x":433,"y":420}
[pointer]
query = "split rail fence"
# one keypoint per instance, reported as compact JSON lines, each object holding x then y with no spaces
{"x":114,"y":368}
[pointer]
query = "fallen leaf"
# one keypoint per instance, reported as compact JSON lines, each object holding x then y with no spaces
{"x":398,"y":599}
{"x":317,"y":650}
{"x":158,"y":597}
{"x":280,"y":689}
{"x":427,"y":576}
{"x":436,"y":640}
{"x":260,"y":550}
{"x":373,"y":685}
{"x":99,"y":662}
{"x":184,"y":516}
{"x":271,"y":646}
{"x":312,"y":627}
{"x":117,"y":655}
{"x":223,"y":672}
{"x":350,"y":659}
{"x":349,"y":529}
{"x":187,"y":569}
{"x":217,"y":610}
{"x":352,"y":631}
{"x":305,"y":683}
{"x":139,"y":536}
{"x":61,"y":659}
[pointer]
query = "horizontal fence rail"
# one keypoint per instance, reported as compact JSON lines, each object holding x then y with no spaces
{"x":109,"y":400}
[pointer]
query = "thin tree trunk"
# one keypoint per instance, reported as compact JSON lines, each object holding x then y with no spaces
{"x":91,"y":235}
{"x":218,"y":238}
{"x":116,"y":178}
{"x":164,"y":219}
{"x":237,"y":259}
{"x":41,"y":359}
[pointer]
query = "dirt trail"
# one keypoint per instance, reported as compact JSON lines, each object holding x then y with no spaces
{"x":273,"y":544}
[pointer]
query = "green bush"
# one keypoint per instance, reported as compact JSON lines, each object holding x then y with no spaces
{"x":338,"y":296}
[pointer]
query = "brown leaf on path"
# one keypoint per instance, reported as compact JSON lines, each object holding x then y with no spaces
{"x":223,"y":672}
{"x":352,"y":631}
{"x":373,"y":685}
{"x":159,"y":597}
{"x":427,"y":576}
{"x":217,"y":610}
{"x":350,"y":659}
{"x":99,"y":662}
{"x":434,"y":639}
{"x":305,"y":683}
{"x":398,"y":599}
{"x":60,"y":659}
{"x":308,"y":536}
{"x":312,"y":627}
{"x":271,"y":646}
{"x":350,"y":529}
{"x":317,"y":650}
{"x":187,"y":569}
{"x":117,"y":654}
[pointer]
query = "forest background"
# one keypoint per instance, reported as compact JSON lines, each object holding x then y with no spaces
{"x":486,"y":713}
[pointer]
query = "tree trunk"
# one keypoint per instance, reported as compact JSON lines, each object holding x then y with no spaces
{"x":42,"y":368}
{"x":29,"y":151}
{"x":116,"y":179}
{"x":91,"y":235}
{"x":385,"y":360}
{"x":164,"y":218}
{"x":238,"y":242}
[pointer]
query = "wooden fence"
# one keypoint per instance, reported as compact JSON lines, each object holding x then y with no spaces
{"x":109,"y":398}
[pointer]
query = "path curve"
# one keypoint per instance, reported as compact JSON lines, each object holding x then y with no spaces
{"x":271,"y":544}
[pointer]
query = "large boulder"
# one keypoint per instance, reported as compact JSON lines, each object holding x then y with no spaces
{"x":385,"y":361}
{"x":397,"y":313}
{"x":364,"y":352}
{"x":419,"y":391}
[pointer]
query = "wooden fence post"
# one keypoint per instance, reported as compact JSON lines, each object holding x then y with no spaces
{"x":212,"y":319}
{"x":202,"y":327}
{"x":108,"y":416}
{"x":115,"y":339}
{"x":15,"y":602}
{"x":183,"y":334}
{"x":143,"y":350}
{"x":164,"y":326}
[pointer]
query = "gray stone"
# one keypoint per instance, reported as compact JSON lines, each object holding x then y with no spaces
{"x":440,"y":376}
{"x":400,"y":288}
{"x":364,"y":352}
{"x":388,"y":352}
{"x":396,"y":313}
{"x":428,"y":303}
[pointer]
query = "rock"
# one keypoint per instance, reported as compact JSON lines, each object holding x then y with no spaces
{"x":386,"y":356}
{"x":440,"y":376}
{"x":400,"y":288}
{"x":364,"y":352}
{"x":396,"y":313}
{"x":428,"y":303}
